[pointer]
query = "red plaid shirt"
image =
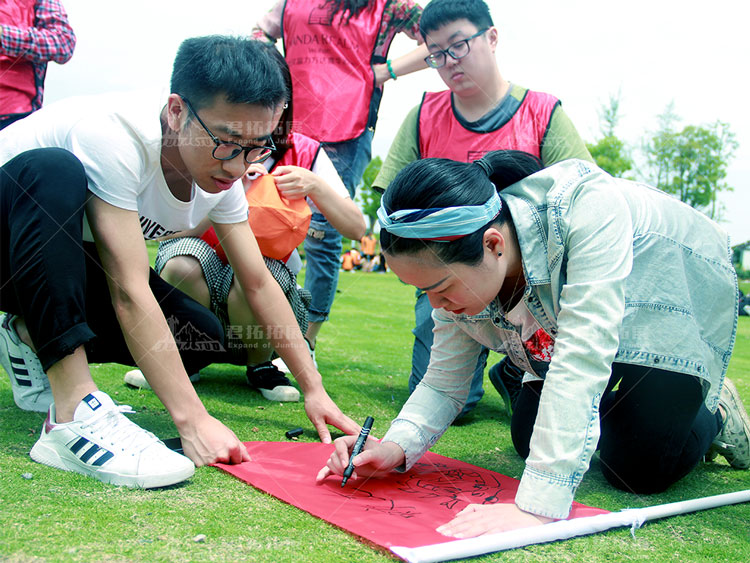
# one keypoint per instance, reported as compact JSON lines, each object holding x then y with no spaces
{"x":51,"y":39}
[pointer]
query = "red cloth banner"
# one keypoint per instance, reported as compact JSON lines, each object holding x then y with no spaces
{"x":400,"y":510}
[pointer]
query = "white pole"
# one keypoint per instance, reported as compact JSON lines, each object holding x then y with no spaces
{"x":560,"y":530}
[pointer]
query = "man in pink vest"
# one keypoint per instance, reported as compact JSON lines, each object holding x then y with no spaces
{"x":32,"y":32}
{"x":480,"y":112}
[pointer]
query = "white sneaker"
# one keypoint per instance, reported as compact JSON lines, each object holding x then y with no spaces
{"x":31,"y":390}
{"x":104,"y":444}
{"x":135,"y":378}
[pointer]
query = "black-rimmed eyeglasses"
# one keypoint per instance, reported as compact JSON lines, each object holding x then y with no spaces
{"x":227,"y":150}
{"x":457,"y":50}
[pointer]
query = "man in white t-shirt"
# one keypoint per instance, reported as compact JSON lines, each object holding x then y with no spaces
{"x":115,"y":170}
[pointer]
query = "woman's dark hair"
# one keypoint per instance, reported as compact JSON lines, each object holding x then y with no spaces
{"x":354,"y":7}
{"x":438,"y":182}
{"x":242,"y":70}
{"x":442,"y":12}
{"x":280,"y":134}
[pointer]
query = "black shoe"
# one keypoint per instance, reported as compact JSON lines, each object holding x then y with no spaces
{"x":507,"y":379}
{"x":272,"y":383}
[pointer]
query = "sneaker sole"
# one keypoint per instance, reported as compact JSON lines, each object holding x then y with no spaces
{"x":281,"y":394}
{"x":48,"y":455}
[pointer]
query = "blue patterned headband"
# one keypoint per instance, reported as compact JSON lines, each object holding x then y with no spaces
{"x":441,"y":223}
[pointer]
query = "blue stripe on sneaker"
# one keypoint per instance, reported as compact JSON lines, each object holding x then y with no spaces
{"x":92,"y":402}
{"x":90,"y":452}
{"x":20,"y":373}
{"x":104,"y":458}
{"x":78,"y":445}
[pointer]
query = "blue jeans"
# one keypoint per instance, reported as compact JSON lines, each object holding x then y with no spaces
{"x":323,"y":242}
{"x":351,"y":158}
{"x":420,"y":357}
{"x":322,"y":251}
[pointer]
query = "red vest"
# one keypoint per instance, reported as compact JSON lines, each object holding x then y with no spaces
{"x":18,"y":84}
{"x":330,"y":62}
{"x":441,"y":135}
{"x":302,"y":152}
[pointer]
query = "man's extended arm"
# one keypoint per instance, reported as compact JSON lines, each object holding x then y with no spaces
{"x":273,"y":313}
{"x":204,"y":439}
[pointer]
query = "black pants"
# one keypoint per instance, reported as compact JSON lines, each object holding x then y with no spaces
{"x":56,"y":281}
{"x":655,"y":427}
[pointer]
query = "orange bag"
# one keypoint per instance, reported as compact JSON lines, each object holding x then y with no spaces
{"x":280,"y":225}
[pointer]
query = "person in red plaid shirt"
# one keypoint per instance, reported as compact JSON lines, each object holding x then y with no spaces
{"x":32,"y":33}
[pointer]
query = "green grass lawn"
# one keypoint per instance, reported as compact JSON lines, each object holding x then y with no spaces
{"x":364,"y":355}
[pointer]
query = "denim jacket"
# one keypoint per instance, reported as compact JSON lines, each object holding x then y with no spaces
{"x":616,"y":272}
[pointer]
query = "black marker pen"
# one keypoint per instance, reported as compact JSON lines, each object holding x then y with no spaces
{"x":358,"y":445}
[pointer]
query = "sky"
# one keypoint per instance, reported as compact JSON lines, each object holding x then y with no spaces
{"x":582,"y":51}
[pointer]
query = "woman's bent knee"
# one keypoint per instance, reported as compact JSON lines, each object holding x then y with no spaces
{"x":642,"y":474}
{"x":186,"y":274}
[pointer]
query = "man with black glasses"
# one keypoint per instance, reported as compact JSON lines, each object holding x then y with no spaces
{"x":82,"y":184}
{"x":480,"y":112}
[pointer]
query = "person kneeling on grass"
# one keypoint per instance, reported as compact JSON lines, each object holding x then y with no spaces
{"x":77,"y":287}
{"x":588,"y":283}
{"x":196,"y":262}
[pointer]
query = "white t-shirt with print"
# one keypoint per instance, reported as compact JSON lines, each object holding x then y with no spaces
{"x":117,"y":138}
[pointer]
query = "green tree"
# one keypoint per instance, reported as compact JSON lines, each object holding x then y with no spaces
{"x":369,"y":197}
{"x":691,"y":163}
{"x":610,"y":152}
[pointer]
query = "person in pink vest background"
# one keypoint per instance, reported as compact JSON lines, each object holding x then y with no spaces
{"x":481,"y":111}
{"x":337,"y":51}
{"x":32,"y":32}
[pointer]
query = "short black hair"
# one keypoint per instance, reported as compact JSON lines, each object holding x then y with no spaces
{"x":438,"y":182}
{"x":442,"y":12}
{"x":240,"y":69}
